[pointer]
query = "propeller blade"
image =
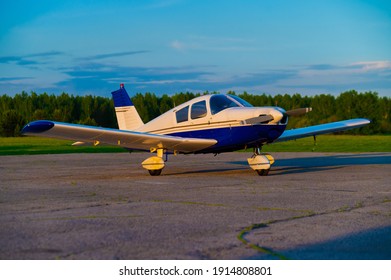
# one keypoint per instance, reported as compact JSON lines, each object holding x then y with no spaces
{"x":298,"y":112}
{"x":259,"y":119}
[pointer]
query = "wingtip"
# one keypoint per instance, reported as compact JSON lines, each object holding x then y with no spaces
{"x":365,"y":121}
{"x":37,"y":127}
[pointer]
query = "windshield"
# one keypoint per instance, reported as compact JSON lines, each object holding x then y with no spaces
{"x":220,"y":102}
{"x":241,"y":101}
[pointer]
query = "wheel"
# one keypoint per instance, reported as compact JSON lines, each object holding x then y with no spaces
{"x":263,"y":172}
{"x":155,"y":172}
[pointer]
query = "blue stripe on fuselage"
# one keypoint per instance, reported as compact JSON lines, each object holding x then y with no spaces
{"x":235,"y":138}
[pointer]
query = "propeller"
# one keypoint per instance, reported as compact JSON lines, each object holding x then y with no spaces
{"x":277,"y":115}
{"x":260,"y":119}
{"x":298,"y":112}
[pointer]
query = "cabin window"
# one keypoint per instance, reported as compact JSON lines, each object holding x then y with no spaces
{"x":220,"y":102}
{"x":198,"y":110}
{"x":182,"y":115}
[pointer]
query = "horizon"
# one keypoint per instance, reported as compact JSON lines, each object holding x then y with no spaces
{"x":172,"y":46}
{"x":170,"y":95}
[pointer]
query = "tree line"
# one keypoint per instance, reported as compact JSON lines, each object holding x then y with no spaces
{"x":22,"y":108}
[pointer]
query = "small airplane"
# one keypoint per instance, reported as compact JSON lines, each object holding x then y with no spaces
{"x":213,"y":123}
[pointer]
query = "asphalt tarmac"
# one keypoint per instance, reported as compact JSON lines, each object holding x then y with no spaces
{"x":106,"y":206}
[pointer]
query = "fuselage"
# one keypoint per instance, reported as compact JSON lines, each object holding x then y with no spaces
{"x":221,"y":117}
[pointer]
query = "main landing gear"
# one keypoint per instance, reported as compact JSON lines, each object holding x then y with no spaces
{"x":260,"y":162}
{"x":154,"y":164}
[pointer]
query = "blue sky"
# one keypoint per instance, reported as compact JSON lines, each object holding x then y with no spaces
{"x":169,"y":46}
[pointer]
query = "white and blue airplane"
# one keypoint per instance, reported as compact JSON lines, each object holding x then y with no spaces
{"x":213,"y":123}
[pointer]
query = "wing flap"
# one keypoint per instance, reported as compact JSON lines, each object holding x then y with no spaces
{"x":297,"y":133}
{"x":123,"y":138}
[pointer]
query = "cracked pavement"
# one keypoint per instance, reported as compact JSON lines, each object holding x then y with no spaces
{"x":106,"y":206}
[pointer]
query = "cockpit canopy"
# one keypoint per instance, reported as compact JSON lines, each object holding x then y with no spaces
{"x":217,"y":103}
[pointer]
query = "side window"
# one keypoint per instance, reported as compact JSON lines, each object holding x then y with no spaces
{"x":198,"y":110}
{"x":182,"y":115}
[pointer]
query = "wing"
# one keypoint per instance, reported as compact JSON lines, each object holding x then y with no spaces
{"x":321,"y":129}
{"x":127,"y":139}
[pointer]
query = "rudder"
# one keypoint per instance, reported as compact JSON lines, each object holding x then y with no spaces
{"x":127,"y":115}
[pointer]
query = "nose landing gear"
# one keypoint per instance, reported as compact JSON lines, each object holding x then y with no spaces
{"x":260,"y":162}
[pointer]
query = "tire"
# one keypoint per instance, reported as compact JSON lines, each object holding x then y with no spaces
{"x":263,"y":172}
{"x":156,"y":172}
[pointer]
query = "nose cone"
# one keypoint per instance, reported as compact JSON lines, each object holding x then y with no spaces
{"x":278,"y":114}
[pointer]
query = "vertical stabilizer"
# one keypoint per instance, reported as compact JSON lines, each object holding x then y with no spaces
{"x":127,"y":116}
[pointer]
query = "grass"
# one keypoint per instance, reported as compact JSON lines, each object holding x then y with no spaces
{"x":334,"y":143}
{"x":325,"y":143}
{"x":38,"y":145}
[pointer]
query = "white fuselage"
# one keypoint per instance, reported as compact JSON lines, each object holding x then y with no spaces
{"x":168,"y":122}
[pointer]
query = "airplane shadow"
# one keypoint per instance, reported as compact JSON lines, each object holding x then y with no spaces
{"x":321,"y":163}
{"x":220,"y":170}
{"x":372,"y":244}
{"x":301,"y":164}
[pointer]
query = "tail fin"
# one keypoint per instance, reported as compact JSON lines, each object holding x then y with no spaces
{"x":127,"y":116}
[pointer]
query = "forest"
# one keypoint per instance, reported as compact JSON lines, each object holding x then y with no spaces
{"x":17,"y":111}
